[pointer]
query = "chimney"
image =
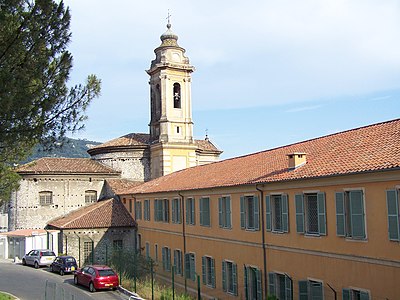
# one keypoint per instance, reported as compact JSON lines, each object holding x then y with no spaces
{"x":297,"y":159}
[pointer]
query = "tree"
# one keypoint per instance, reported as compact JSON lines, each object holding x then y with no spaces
{"x":35,"y":103}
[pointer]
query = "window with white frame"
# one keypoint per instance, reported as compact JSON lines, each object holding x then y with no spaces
{"x":392,"y":201}
{"x":166,"y":258}
{"x":90,"y":196}
{"x":224,"y":212}
{"x":176,"y":211}
{"x":355,"y":294}
{"x":190,"y":211}
{"x":205,"y":218}
{"x":229,"y":277}
{"x":208,"y":271}
{"x":138,"y":210}
{"x":161,"y":210}
{"x":252,"y":283}
{"x":190,"y":266}
{"x":277,"y":219}
{"x":146,"y":212}
{"x":280,"y":286}
{"x":249,"y":213}
{"x":310,"y":213}
{"x":350,"y":217}
{"x":310,"y":289}
{"x":178,"y":262}
{"x":46,"y":198}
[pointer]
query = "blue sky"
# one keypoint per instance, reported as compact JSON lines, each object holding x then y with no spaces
{"x":268,"y":73}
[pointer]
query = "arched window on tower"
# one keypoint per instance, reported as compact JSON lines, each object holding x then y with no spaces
{"x":177,"y":95}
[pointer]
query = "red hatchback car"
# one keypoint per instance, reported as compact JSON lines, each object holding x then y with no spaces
{"x":97,"y":277}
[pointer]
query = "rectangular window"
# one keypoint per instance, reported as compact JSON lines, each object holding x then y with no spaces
{"x":277,"y":217}
{"x":138,"y":210}
{"x":310,"y":289}
{"x":88,"y":252}
{"x":280,"y":286}
{"x":355,"y":294}
{"x":204,"y":204}
{"x":190,"y":266}
{"x":147,"y":250}
{"x":117,"y":244}
{"x":190,"y":211}
{"x":46,"y":198}
{"x":178,"y":262}
{"x":146,"y":210}
{"x":249,"y":213}
{"x":310,"y":213}
{"x":229,"y":277}
{"x":252,"y":283}
{"x":392,"y":201}
{"x":176,"y":211}
{"x":90,"y":196}
{"x":350,"y":218}
{"x":224,"y":212}
{"x":166,"y":258}
{"x":161,"y":210}
{"x":208,"y":271}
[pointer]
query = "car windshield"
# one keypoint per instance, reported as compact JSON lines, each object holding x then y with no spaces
{"x":107,"y":272}
{"x":48,"y":253}
{"x":70,"y":259}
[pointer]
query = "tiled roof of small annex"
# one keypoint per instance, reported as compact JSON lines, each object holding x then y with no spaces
{"x":207,"y":146}
{"x":366,"y":149}
{"x":57,"y":165}
{"x":102,"y":214}
{"x":26,"y":232}
{"x":119,"y":185}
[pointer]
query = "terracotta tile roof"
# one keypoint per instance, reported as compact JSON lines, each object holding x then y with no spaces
{"x":131,"y":140}
{"x":102,"y":214}
{"x":206,"y":146}
{"x":52,"y":165}
{"x":366,"y":149}
{"x":119,"y":185}
{"x":26,"y":232}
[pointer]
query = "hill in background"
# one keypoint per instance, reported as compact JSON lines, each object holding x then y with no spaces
{"x":70,"y":148}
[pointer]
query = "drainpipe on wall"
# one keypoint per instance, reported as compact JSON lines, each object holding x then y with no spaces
{"x":263,"y":241}
{"x":184,"y":237}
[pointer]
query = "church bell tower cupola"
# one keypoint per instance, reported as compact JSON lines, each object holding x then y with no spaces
{"x":170,"y":92}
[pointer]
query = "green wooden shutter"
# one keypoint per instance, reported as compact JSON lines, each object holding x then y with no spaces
{"x":169,"y":258}
{"x":246,"y":288}
{"x":288,"y":288}
{"x":203,"y":269}
{"x":224,"y":275}
{"x":271,"y":284}
{"x":192,"y":213}
{"x":174,"y":219}
{"x":303,"y":290}
{"x":234,"y":278}
{"x":340,"y":214}
{"x":259,"y":284}
{"x":268,"y":213}
{"x":187,"y":211}
{"x":242,"y":214}
{"x":346,"y":294}
{"x":393,"y":214}
{"x":357,"y":214}
{"x":176,"y":261}
{"x":321,"y":213}
{"x":364,"y":295}
{"x":213,"y":272}
{"x":299,"y":203}
{"x":187,"y":265}
{"x":228,"y":212}
{"x":163,"y":257}
{"x":193,"y":267}
{"x":201,"y":206}
{"x":256,"y":214}
{"x":206,"y":212}
{"x":220,"y":221}
{"x":155,"y":210}
{"x":167,"y":210}
{"x":179,"y":211}
{"x":285,"y":213}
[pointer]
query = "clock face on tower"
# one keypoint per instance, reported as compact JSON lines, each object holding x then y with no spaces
{"x":176,"y":57}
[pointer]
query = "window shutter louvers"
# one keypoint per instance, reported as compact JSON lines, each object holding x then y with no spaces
{"x":303,"y":290}
{"x":193,"y":267}
{"x":256,"y":213}
{"x":321,"y":214}
{"x":288,"y":288}
{"x":242,"y":214}
{"x":346,"y":294}
{"x":224,"y":275}
{"x":201,"y":207}
{"x":193,"y":221}
{"x":213,"y":272}
{"x":271,"y":284}
{"x":169,"y":258}
{"x":234,"y":278}
{"x":228,"y":212}
{"x":340,"y":214}
{"x":357,"y":214}
{"x":203,"y":269}
{"x":393,"y":214}
{"x":259,"y":284}
{"x":187,"y":265}
{"x":246,"y":289}
{"x":174,"y":218}
{"x":268,"y":218}
{"x":163,"y":257}
{"x":299,"y":203}
{"x":220,"y":221}
{"x":285,"y":213}
{"x":364,"y":295}
{"x":187,"y":211}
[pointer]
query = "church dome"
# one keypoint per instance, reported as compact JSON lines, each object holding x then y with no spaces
{"x":169,"y":38}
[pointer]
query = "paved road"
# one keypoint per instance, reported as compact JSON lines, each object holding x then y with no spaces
{"x":27,"y":283}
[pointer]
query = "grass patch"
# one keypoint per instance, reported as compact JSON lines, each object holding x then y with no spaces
{"x":4,"y":296}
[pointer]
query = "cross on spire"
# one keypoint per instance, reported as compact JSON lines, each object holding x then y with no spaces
{"x":169,"y":18}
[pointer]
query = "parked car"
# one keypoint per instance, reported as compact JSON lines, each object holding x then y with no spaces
{"x":97,"y":277}
{"x":38,"y":258}
{"x":63,"y":264}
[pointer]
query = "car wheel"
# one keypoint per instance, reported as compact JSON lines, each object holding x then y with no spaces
{"x":24,"y":262}
{"x":61,"y":272}
{"x":91,"y":287}
{"x":76,"y":280}
{"x":36,"y":265}
{"x":51,"y":268}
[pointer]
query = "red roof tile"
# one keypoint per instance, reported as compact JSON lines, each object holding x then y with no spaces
{"x":119,"y":185}
{"x":102,"y":214}
{"x":27,"y":232}
{"x":206,"y":146}
{"x":51,"y":165}
{"x":366,"y":149}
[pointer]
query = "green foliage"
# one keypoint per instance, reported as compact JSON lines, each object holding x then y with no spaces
{"x":130,"y":263}
{"x":36,"y":104}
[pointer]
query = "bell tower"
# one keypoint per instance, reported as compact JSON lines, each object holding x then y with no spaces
{"x":171,"y":127}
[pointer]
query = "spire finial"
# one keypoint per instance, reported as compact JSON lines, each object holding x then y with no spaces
{"x":169,"y":19}
{"x":206,"y":134}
